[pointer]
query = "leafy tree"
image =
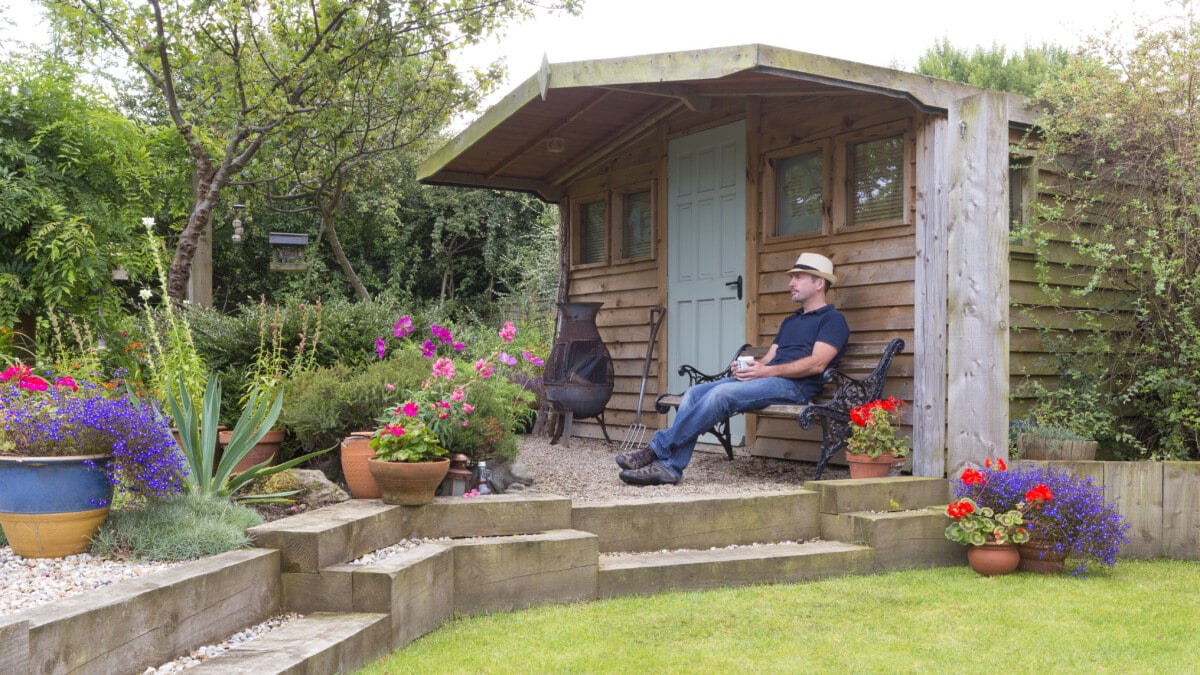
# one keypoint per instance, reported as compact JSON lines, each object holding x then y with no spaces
{"x":232,"y":74}
{"x":994,"y":68}
{"x":75,"y":177}
{"x":1122,"y":135}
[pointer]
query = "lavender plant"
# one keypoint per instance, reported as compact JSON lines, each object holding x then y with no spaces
{"x":69,"y":418}
{"x":1077,"y":520}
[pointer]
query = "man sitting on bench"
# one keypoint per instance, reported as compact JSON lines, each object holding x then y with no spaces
{"x":792,"y":371}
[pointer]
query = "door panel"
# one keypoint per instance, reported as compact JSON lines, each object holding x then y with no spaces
{"x":706,"y":250}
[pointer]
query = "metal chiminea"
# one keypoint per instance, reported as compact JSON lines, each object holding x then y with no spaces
{"x":579,"y":373}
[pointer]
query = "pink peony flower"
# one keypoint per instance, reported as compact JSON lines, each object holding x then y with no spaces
{"x":458,"y":395}
{"x":389,"y":387}
{"x":33,"y":383}
{"x":468,"y":408}
{"x":410,"y":409}
{"x":66,"y":381}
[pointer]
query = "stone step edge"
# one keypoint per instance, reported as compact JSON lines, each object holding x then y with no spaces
{"x":611,"y":561}
{"x":297,"y":646}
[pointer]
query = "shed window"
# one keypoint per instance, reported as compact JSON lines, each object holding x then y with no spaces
{"x":799,"y":198}
{"x":636,"y":224}
{"x":593,"y":231}
{"x":877,"y":180}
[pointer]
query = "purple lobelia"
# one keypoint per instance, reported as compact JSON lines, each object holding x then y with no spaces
{"x":66,"y":418}
{"x":1077,"y":520}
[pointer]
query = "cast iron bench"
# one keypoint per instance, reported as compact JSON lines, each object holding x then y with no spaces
{"x":834,"y":413}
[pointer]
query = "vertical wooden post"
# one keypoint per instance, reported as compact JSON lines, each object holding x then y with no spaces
{"x":977,"y":294}
{"x":929,"y":326}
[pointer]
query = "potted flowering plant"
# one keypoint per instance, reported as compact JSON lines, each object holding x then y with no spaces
{"x":992,"y":532}
{"x":873,"y":450}
{"x":445,"y":410}
{"x":1075,"y":523}
{"x":64,"y":446}
{"x":409,"y":463}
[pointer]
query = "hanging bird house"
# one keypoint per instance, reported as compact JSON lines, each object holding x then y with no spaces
{"x":287,"y":252}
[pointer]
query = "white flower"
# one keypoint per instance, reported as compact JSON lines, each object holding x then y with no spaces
{"x":148,"y":222}
{"x":145,"y":293}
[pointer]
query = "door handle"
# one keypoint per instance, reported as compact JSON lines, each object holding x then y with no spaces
{"x":737,"y":283}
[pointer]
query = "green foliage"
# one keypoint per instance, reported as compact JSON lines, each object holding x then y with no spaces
{"x":74,"y":177}
{"x":415,"y":442}
{"x":237,"y":78}
{"x":183,"y":528}
{"x":994,"y":68}
{"x":1118,"y":131}
{"x":327,"y":404}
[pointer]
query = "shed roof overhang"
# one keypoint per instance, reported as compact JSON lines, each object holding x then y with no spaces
{"x":569,"y":116}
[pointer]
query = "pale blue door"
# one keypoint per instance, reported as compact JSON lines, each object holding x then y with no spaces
{"x":706,"y":253}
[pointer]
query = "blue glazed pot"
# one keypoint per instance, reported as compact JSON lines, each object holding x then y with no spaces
{"x":51,"y":506}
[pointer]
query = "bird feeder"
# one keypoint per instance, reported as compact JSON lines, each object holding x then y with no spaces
{"x":287,"y":252}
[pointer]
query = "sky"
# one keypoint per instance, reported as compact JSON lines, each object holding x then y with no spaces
{"x":876,"y":32}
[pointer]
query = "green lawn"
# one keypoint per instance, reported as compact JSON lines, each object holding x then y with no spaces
{"x":1139,"y":617}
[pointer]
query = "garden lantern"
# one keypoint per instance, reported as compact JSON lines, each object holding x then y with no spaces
{"x":458,"y":478}
{"x":287,"y":252}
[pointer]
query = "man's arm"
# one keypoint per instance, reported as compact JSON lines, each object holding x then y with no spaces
{"x":823,"y":354}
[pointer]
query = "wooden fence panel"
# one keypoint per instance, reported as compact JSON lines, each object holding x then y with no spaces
{"x":1181,"y":510}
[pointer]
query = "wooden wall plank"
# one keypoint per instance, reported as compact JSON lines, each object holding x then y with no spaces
{"x":977,"y":296}
{"x":1136,"y":489}
{"x":1181,"y":510}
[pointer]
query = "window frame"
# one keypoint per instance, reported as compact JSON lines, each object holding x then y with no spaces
{"x":770,"y":192}
{"x":577,"y":230}
{"x":619,"y":200}
{"x":844,"y":147}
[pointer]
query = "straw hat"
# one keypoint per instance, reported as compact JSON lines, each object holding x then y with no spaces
{"x":816,"y":265}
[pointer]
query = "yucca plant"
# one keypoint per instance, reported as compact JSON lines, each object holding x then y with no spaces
{"x":198,"y":439}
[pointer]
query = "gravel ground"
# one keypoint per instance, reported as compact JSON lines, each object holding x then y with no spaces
{"x":586,"y":472}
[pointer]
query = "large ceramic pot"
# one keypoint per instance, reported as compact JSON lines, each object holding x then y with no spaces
{"x":1041,"y":555}
{"x":51,"y":506}
{"x":862,"y":466}
{"x":264,"y":450}
{"x":355,"y":453}
{"x":409,"y":483}
{"x":992,"y":558}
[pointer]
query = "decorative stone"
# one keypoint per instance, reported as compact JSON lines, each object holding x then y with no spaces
{"x":318,"y":489}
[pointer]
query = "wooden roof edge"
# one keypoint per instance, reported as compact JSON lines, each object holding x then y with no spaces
{"x":713,"y":63}
{"x":547,"y":192}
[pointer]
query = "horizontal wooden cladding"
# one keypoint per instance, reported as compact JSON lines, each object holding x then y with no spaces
{"x":1025,"y":270}
{"x":1023,"y":293}
{"x":880,"y":258}
{"x":883,"y":319}
{"x":1062,"y":319}
{"x":858,"y":297}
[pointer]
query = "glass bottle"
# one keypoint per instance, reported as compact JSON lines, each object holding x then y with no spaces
{"x":483,"y":479}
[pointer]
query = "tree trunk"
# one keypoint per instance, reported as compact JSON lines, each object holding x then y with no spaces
{"x":327,"y":220}
{"x":189,"y":239}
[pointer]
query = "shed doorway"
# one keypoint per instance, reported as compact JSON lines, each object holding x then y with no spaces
{"x":706,"y":254}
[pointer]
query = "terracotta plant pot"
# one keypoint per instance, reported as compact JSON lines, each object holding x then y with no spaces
{"x":882,"y":466}
{"x":51,"y":507}
{"x":409,"y":483}
{"x":992,"y":559}
{"x":355,"y":453}
{"x":1039,"y":555}
{"x":267,"y":448}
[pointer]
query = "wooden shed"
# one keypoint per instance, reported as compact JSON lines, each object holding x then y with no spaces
{"x":692,"y":180}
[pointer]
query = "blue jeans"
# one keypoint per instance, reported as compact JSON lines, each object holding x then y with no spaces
{"x":706,"y":404}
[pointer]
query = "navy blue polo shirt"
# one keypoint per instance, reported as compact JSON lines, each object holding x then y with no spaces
{"x":800,"y":331}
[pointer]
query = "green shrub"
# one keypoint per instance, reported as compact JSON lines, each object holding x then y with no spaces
{"x":323,"y":406}
{"x":182,"y":528}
